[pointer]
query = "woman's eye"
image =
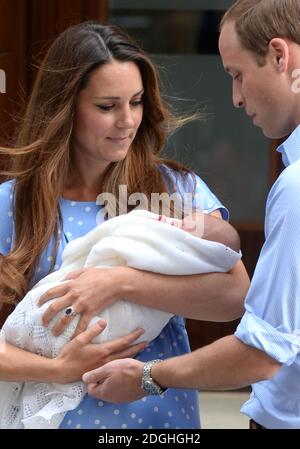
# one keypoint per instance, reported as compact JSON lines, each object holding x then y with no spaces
{"x":110,"y":107}
{"x":105,"y":107}
{"x":136,"y":103}
{"x":237,"y":77}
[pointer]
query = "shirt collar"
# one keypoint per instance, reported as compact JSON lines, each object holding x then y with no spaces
{"x":290,"y":149}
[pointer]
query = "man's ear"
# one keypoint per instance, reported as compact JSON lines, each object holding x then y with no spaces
{"x":279,"y":53}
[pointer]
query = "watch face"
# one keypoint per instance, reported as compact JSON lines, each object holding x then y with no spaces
{"x":151,"y":387}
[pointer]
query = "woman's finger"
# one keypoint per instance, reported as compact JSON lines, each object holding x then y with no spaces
{"x":87,"y":336}
{"x":73,"y":275}
{"x":129,"y":352}
{"x":61,"y":325}
{"x":55,"y":292}
{"x":122,"y":343}
{"x":82,"y":324}
{"x":55,"y":307}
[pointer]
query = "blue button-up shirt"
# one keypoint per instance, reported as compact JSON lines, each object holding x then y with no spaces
{"x":272,"y":319}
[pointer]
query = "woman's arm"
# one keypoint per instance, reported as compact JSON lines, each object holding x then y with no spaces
{"x":209,"y":297}
{"x":21,"y":366}
{"x":212,"y":297}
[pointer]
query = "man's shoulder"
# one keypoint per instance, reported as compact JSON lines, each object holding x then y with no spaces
{"x":288,"y":183}
{"x":283,"y":200}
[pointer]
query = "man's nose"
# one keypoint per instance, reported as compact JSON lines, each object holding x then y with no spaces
{"x":237,"y":98}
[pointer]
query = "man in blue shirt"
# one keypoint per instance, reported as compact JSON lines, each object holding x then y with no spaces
{"x":260,"y":49}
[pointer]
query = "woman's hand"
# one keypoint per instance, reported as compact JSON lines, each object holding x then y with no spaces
{"x":81,"y":355}
{"x":89,"y":291}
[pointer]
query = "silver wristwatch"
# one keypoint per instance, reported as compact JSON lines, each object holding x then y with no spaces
{"x":148,"y":383}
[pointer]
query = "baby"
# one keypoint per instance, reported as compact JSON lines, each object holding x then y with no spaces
{"x":206,"y":227}
{"x":140,"y":240}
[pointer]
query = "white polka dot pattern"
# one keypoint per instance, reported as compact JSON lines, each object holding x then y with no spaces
{"x":167,"y":411}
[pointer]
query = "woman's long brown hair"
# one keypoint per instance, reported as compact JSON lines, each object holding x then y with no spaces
{"x":40,"y":160}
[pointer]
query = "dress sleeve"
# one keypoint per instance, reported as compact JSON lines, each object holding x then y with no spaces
{"x":6,"y":222}
{"x":202,"y":197}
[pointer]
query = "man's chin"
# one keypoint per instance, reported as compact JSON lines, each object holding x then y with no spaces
{"x":277,"y":135}
{"x":272,"y":134}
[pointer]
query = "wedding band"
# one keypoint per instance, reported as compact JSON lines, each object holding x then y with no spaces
{"x":69,"y":311}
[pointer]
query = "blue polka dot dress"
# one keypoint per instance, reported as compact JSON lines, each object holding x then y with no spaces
{"x":176,"y":408}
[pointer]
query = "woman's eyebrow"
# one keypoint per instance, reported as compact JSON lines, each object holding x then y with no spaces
{"x":118,"y":98}
{"x":139,"y":93}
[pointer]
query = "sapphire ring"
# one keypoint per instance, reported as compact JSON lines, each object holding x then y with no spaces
{"x":69,"y":311}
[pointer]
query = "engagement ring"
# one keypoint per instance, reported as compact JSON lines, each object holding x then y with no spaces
{"x":69,"y":311}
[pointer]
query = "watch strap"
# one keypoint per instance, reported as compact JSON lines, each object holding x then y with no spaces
{"x":148,"y":384}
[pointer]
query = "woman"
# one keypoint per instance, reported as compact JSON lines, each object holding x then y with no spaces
{"x":96,"y":121}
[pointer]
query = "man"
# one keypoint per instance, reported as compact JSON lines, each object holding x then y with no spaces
{"x":260,"y":48}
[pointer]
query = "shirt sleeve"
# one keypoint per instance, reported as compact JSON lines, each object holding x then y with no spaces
{"x":6,"y":222}
{"x":271,"y":322}
{"x":193,"y":189}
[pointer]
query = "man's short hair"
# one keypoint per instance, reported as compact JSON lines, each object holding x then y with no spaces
{"x":257,"y":22}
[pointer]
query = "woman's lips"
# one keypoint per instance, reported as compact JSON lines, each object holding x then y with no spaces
{"x":119,"y":140}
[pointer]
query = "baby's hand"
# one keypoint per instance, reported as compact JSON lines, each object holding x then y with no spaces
{"x":171,"y":221}
{"x":191,"y":223}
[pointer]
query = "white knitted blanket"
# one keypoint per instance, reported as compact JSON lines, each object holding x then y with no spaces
{"x":132,"y":240}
